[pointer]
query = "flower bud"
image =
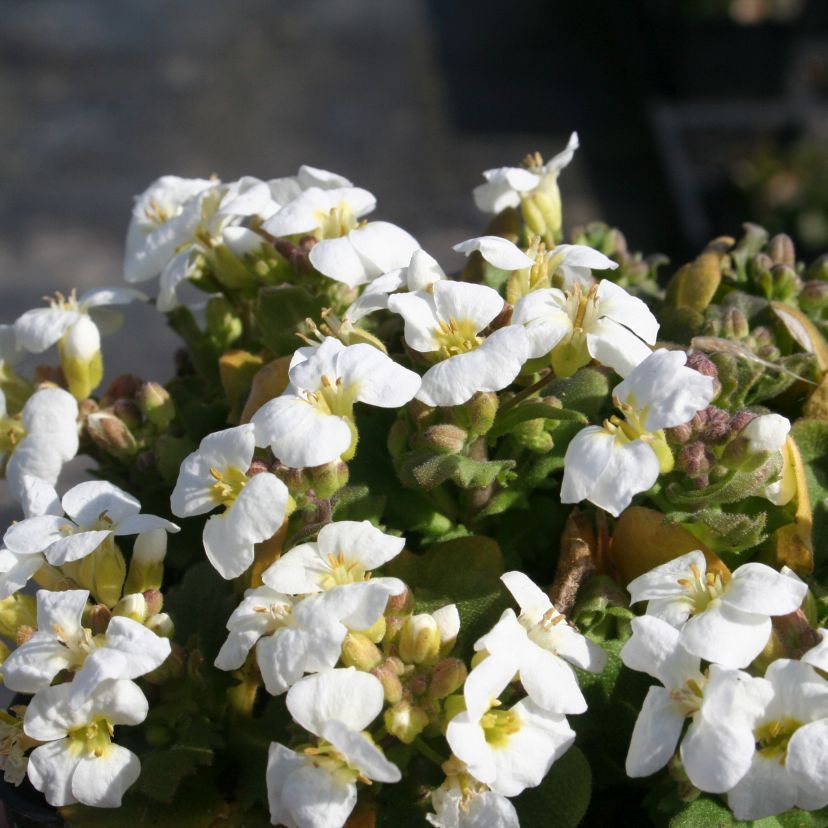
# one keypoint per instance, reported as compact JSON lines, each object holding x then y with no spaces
{"x":781,"y":249}
{"x":388,"y":673}
{"x":739,"y":420}
{"x":132,"y":606}
{"x":397,"y":441}
{"x":23,"y":634}
{"x":173,"y":667}
{"x":452,"y":706}
{"x":445,"y":438}
{"x":736,"y":325}
{"x":695,"y":459}
{"x":124,"y":386}
{"x":111,"y":434}
{"x":360,"y":652}
{"x":328,"y":479}
{"x":155,"y":601}
{"x":156,"y":404}
{"x":419,"y":640}
{"x":103,"y":573}
{"x":257,"y":467}
{"x":16,"y":611}
{"x":128,"y":413}
{"x":80,"y":357}
{"x":376,"y":632}
{"x":405,"y":721}
{"x":97,"y":618}
{"x":532,"y":435}
{"x":447,"y":677}
{"x":813,"y":297}
{"x":481,"y":410}
{"x":161,"y":624}
{"x":146,"y":567}
{"x":717,"y":425}
{"x":680,"y":433}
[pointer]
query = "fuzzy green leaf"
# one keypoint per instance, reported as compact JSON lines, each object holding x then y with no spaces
{"x":562,"y":799}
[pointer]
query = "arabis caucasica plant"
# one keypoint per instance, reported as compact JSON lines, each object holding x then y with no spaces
{"x":477,"y":543}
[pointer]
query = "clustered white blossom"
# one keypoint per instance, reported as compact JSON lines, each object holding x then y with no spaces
{"x":317,"y":624}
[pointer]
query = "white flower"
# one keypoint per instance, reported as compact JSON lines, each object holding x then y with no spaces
{"x":786,"y":745}
{"x":254,"y":507}
{"x":364,"y":254}
{"x":769,"y":432}
{"x":79,"y":762}
{"x":328,"y":213}
{"x":727,"y":623}
{"x":96,"y":511}
{"x":608,"y":465}
{"x":718,"y":704}
{"x":345,"y":552}
{"x":285,"y":190}
{"x":127,"y":650}
{"x":607,"y":324}
{"x":75,"y":324}
{"x":508,"y":750}
{"x":496,"y":251}
{"x":446,"y":324}
{"x":317,"y":788}
{"x":38,"y":441}
{"x":506,"y":186}
{"x":421,"y":272}
{"x":312,"y":423}
{"x":539,"y":643}
{"x":574,"y":264}
{"x":294,"y":636}
{"x":468,"y":804}
{"x":165,"y":216}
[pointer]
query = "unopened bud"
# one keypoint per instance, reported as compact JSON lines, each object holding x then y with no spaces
{"x":154,"y":600}
{"x":174,"y":666}
{"x":481,"y":410}
{"x":736,"y":452}
{"x":327,"y":480}
{"x":781,"y":249}
{"x":419,"y":640}
{"x":97,"y":618}
{"x":740,"y":419}
{"x":124,"y":386}
{"x":128,"y":413}
{"x":397,"y":441}
{"x":156,"y":404}
{"x":388,"y":673}
{"x":23,"y":634}
{"x":257,"y":467}
{"x":813,"y":297}
{"x":680,"y":433}
{"x":376,"y":632}
{"x":80,"y":357}
{"x":445,"y":438}
{"x":717,"y":425}
{"x":736,"y":325}
{"x":132,"y":606}
{"x":146,"y":567}
{"x":111,"y":434}
{"x":161,"y":624}
{"x":452,"y":706}
{"x":447,"y":677}
{"x":695,"y":458}
{"x":400,"y":604}
{"x":103,"y":573}
{"x":360,"y":652}
{"x":405,"y":721}
{"x":16,"y":611}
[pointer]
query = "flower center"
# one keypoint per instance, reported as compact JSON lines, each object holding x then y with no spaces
{"x":11,"y":433}
{"x":80,"y":645}
{"x":544,"y":632}
{"x":93,"y":739}
{"x":456,"y":336}
{"x":772,"y":738}
{"x":279,"y":615}
{"x":324,"y":755}
{"x":332,"y":397}
{"x":157,"y":213}
{"x":228,"y":485}
{"x":702,"y":589}
{"x":689,"y":697}
{"x":499,"y":726}
{"x":338,"y":221}
{"x":63,"y":303}
{"x":342,"y":570}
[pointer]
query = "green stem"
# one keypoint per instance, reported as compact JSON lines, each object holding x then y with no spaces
{"x":545,"y":379}
{"x":428,"y":752}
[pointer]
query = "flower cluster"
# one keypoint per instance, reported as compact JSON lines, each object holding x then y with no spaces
{"x":410,"y":495}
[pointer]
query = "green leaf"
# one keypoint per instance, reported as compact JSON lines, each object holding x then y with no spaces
{"x":587,"y":391}
{"x":281,"y":312}
{"x":709,"y":812}
{"x":508,"y":419}
{"x":357,"y":503}
{"x":562,"y":799}
{"x":471,"y":474}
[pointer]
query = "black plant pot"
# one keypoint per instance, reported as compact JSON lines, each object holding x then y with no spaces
{"x":26,"y":807}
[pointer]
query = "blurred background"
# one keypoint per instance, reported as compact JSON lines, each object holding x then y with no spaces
{"x":694,"y":115}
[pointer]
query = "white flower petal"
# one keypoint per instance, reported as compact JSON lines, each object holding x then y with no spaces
{"x":375,"y":377}
{"x":496,"y":251}
{"x":487,"y":681}
{"x":41,"y":328}
{"x":281,"y":658}
{"x":86,"y":502}
{"x":726,"y":636}
{"x":255,"y":515}
{"x":755,"y":587}
{"x":587,"y":457}
{"x":613,"y":345}
{"x":33,"y":535}
{"x":468,"y":743}
{"x":74,"y":547}
{"x":564,"y":157}
{"x":654,"y":649}
{"x":282,"y":763}
{"x":423,"y":271}
{"x":419,"y":313}
{"x":663,"y":581}
{"x":177,"y":270}
{"x":61,"y":610}
{"x":491,"y":367}
{"x":299,"y":433}
{"x":50,"y":770}
{"x":765,"y":790}
{"x":615,"y":303}
{"x":33,"y":665}
{"x":39,"y":498}
{"x":807,"y":758}
{"x":52,"y":413}
{"x":102,"y":781}
{"x":360,"y":752}
{"x":314,"y":797}
{"x":655,"y":735}
{"x":384,"y":246}
{"x":360,"y":542}
{"x":544,"y":317}
{"x":464,"y":301}
{"x":344,"y":695}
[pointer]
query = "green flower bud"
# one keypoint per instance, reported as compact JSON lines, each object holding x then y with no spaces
{"x":398,"y":436}
{"x":481,"y":410}
{"x":405,"y":721}
{"x":161,"y":624}
{"x":155,"y":403}
{"x":102,"y":573}
{"x":360,"y":652}
{"x":146,"y":567}
{"x":132,"y":606}
{"x":327,"y":480}
{"x":80,"y":357}
{"x":446,"y":678}
{"x":445,"y":438}
{"x":781,"y":250}
{"x":111,"y":434}
{"x":388,"y":673}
